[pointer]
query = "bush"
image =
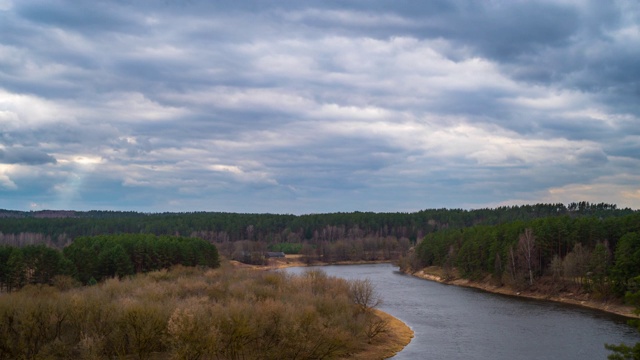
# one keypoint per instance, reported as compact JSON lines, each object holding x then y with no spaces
{"x":190,"y":313}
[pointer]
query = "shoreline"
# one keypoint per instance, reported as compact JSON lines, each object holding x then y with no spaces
{"x":386,"y":345}
{"x":431,"y":274}
{"x":295,"y":261}
{"x":626,"y":311}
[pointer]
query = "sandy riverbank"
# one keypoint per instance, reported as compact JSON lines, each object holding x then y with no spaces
{"x":434,"y":273}
{"x":389,"y":343}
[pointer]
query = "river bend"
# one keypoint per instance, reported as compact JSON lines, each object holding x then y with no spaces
{"x":453,"y":322}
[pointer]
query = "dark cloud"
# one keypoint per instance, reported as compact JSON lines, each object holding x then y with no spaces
{"x":294,"y":106}
{"x":519,"y":30}
{"x":625,"y":147}
{"x":25,"y":156}
{"x":94,"y":17}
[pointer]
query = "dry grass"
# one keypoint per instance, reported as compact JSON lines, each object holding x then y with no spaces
{"x":388,"y":344}
{"x":187,"y":313}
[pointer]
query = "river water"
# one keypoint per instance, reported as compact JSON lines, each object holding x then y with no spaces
{"x":453,"y":322}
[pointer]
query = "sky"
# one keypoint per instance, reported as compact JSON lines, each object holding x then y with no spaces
{"x":318,"y":106}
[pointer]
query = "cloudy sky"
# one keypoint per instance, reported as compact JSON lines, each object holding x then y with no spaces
{"x":318,"y":106}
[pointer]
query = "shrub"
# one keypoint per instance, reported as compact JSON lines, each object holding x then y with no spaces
{"x":190,"y":313}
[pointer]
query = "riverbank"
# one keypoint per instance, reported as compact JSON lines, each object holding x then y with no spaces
{"x":389,"y":343}
{"x":435,"y":273}
{"x":385,"y":345}
{"x":298,"y":261}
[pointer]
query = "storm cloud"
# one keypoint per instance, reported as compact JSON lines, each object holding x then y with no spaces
{"x":303,"y":107}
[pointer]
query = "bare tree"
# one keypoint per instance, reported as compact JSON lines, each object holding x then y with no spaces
{"x":374,"y":325}
{"x":576,"y":263}
{"x":527,"y":251}
{"x":556,"y":268}
{"x":364,"y":295}
{"x":497,"y":268}
{"x":513,"y":269}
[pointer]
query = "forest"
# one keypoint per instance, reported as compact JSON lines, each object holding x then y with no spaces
{"x":58,"y":228}
{"x":319,"y":237}
{"x":599,"y":255}
{"x":592,"y":245}
{"x":89,"y":260}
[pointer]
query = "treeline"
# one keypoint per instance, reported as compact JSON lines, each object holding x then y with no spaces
{"x":601,"y":255}
{"x":93,"y":259}
{"x":346,"y":249}
{"x":190,"y":313}
{"x":33,"y":264}
{"x":356,"y":236}
{"x":61,"y":228}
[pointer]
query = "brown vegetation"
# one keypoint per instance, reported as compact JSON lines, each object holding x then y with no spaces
{"x":389,"y":343}
{"x":188,"y":313}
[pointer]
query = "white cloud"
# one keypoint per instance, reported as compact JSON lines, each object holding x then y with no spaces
{"x":608,"y":189}
{"x":347,"y":18}
{"x":545,"y":100}
{"x":370,"y":114}
{"x":5,"y":179}
{"x":28,"y":111}
{"x":244,"y":99}
{"x":130,"y":107}
{"x":334,"y":101}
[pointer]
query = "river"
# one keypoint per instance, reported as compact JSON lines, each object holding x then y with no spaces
{"x":453,"y":322}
